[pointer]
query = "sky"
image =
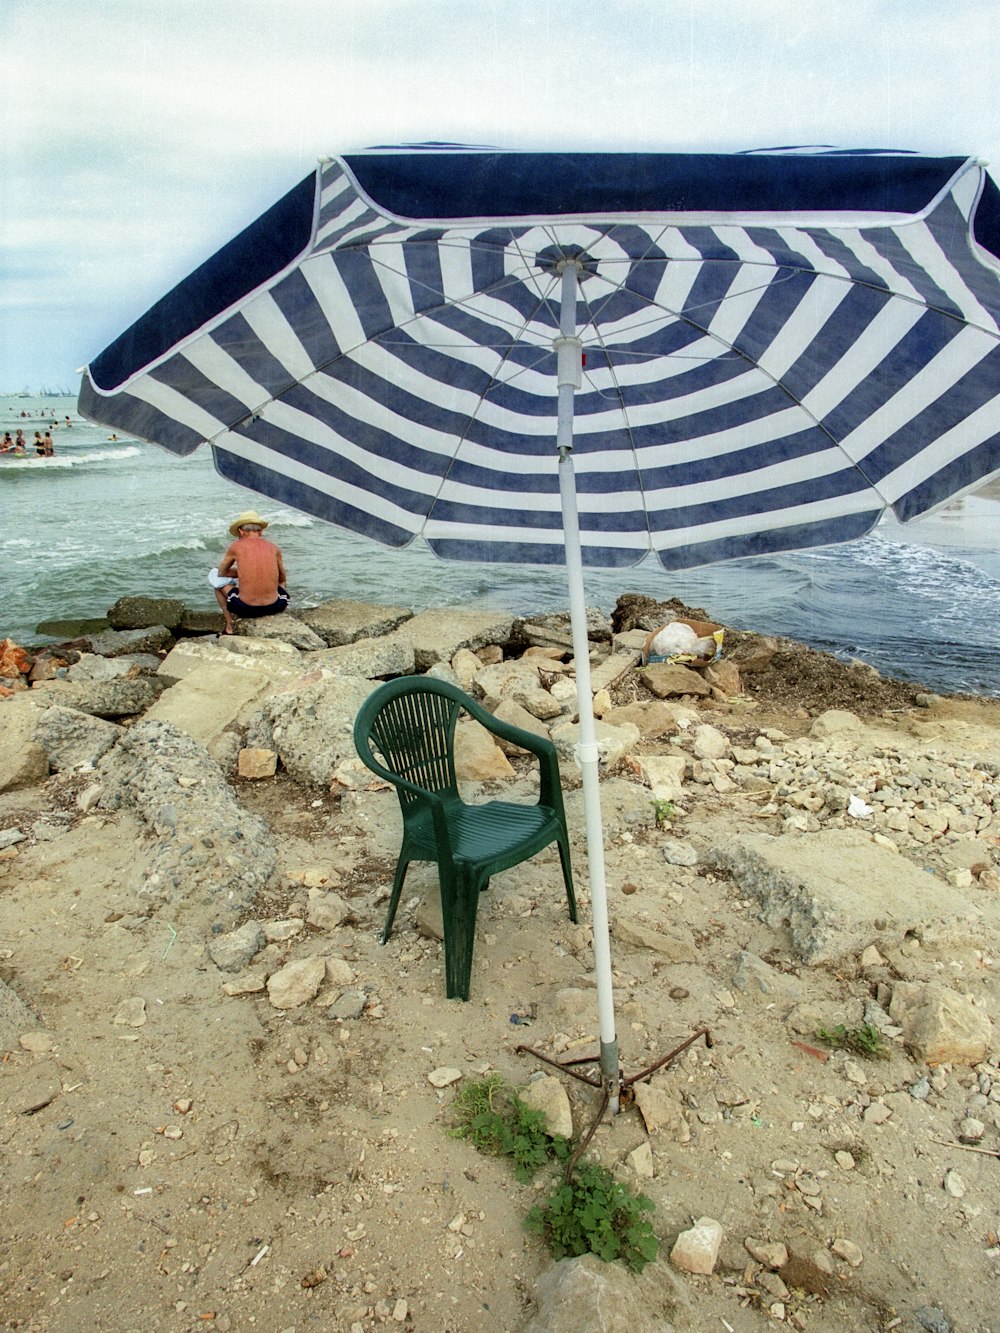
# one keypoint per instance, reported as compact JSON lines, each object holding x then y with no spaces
{"x":138,"y":136}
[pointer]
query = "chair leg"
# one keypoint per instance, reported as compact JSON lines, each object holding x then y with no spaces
{"x":567,"y":878}
{"x":459,"y":903}
{"x":397,"y":888}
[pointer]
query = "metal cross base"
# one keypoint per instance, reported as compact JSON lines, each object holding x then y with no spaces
{"x":626,"y":1083}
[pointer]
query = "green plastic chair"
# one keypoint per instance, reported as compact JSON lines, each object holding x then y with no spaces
{"x":405,"y":732}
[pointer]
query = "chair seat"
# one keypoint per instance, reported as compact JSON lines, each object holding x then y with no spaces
{"x":493,"y":832}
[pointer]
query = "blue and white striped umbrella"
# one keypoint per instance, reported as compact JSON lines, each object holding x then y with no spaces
{"x":539,"y":357}
{"x":776,"y":349}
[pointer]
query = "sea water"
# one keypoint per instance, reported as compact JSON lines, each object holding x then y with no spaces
{"x":106,"y":517}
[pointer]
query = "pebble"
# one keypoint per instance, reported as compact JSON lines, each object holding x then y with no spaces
{"x":844,"y":1160}
{"x":443,"y":1077}
{"x":954,"y":1185}
{"x":971,"y":1130}
{"x":848,"y":1251}
{"x":131,"y":1013}
{"x":920,"y":1090}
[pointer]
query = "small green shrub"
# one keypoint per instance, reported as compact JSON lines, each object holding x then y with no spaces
{"x":492,"y":1116}
{"x":663,"y":811}
{"x":595,"y":1214}
{"x":864,"y":1040}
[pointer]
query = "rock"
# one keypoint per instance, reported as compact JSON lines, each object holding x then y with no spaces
{"x":710,"y":743}
{"x":848,"y":1251}
{"x":509,"y":711}
{"x":661,"y":1112}
{"x":664,"y":679}
{"x":478,"y":757}
{"x":830,"y":889}
{"x":516,"y":682}
{"x":341,"y":621}
{"x":285,"y":627}
{"x":954,"y":1185}
{"x":296,"y":983}
{"x":143,"y":612}
{"x":835,"y":722}
{"x":350,"y":1005}
{"x":326,"y":910}
{"x":117,"y":643}
{"x":429,"y":917}
{"x":613,"y":743}
{"x":653,"y":717}
{"x":72,"y":739}
{"x":696,"y":1250}
{"x":131,"y":1013}
{"x":971,"y":1130}
{"x":939,"y":1025}
{"x":664,"y":774}
{"x":37,"y":1042}
{"x":641,"y":1161}
{"x":587,"y":1295}
{"x":206,"y":844}
{"x":548,"y":1096}
{"x":233,"y":951}
{"x":929,"y":1317}
{"x":14,"y":660}
{"x":15,"y":1019}
{"x":257,"y":763}
{"x":276,"y":932}
{"x":23,"y":761}
{"x":124,"y":697}
{"x":771,"y":1253}
{"x":754,"y":977}
{"x":680,"y":854}
{"x":311,"y":726}
{"x":724,"y":676}
{"x":443,"y":1077}
{"x":676,"y":946}
{"x":437,"y":635}
{"x":386,"y":656}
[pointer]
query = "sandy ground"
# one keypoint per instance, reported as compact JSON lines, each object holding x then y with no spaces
{"x":228,"y":1165}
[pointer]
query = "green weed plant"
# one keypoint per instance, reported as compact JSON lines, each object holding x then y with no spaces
{"x":591,"y":1213}
{"x":864,"y":1040}
{"x":595,"y":1214}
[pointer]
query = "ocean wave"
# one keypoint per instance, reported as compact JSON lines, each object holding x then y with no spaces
{"x":64,"y":461}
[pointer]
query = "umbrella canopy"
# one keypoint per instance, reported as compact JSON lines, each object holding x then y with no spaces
{"x":539,"y":357}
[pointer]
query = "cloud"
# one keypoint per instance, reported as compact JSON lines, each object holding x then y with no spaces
{"x":149,"y":134}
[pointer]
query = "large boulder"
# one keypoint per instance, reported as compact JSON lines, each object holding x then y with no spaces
{"x":587,"y":1295}
{"x":204,"y":845}
{"x":142,"y":612}
{"x":516,"y":682}
{"x":72,"y":739}
{"x":311,"y":727}
{"x":284,"y":627}
{"x":437,"y":636}
{"x":118,"y":643}
{"x":102,"y":698}
{"x":23,"y":760}
{"x":339,"y":622}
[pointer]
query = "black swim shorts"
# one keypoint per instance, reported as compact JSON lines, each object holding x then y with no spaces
{"x":247,"y":612}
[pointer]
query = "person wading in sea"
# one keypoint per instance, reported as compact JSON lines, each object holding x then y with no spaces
{"x":258,"y":568}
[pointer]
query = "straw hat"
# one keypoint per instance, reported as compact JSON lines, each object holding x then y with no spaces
{"x":251,"y":516}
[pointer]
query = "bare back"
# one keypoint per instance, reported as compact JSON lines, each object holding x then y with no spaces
{"x":259,"y":567}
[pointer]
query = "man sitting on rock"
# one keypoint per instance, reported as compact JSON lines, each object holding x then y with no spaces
{"x":258,"y":570}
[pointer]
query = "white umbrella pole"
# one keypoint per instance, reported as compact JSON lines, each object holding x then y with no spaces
{"x":568,"y":350}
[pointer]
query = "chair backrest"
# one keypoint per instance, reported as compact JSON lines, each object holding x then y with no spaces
{"x":406,"y":729}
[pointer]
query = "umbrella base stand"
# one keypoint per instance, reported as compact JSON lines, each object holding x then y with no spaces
{"x":575,"y":1069}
